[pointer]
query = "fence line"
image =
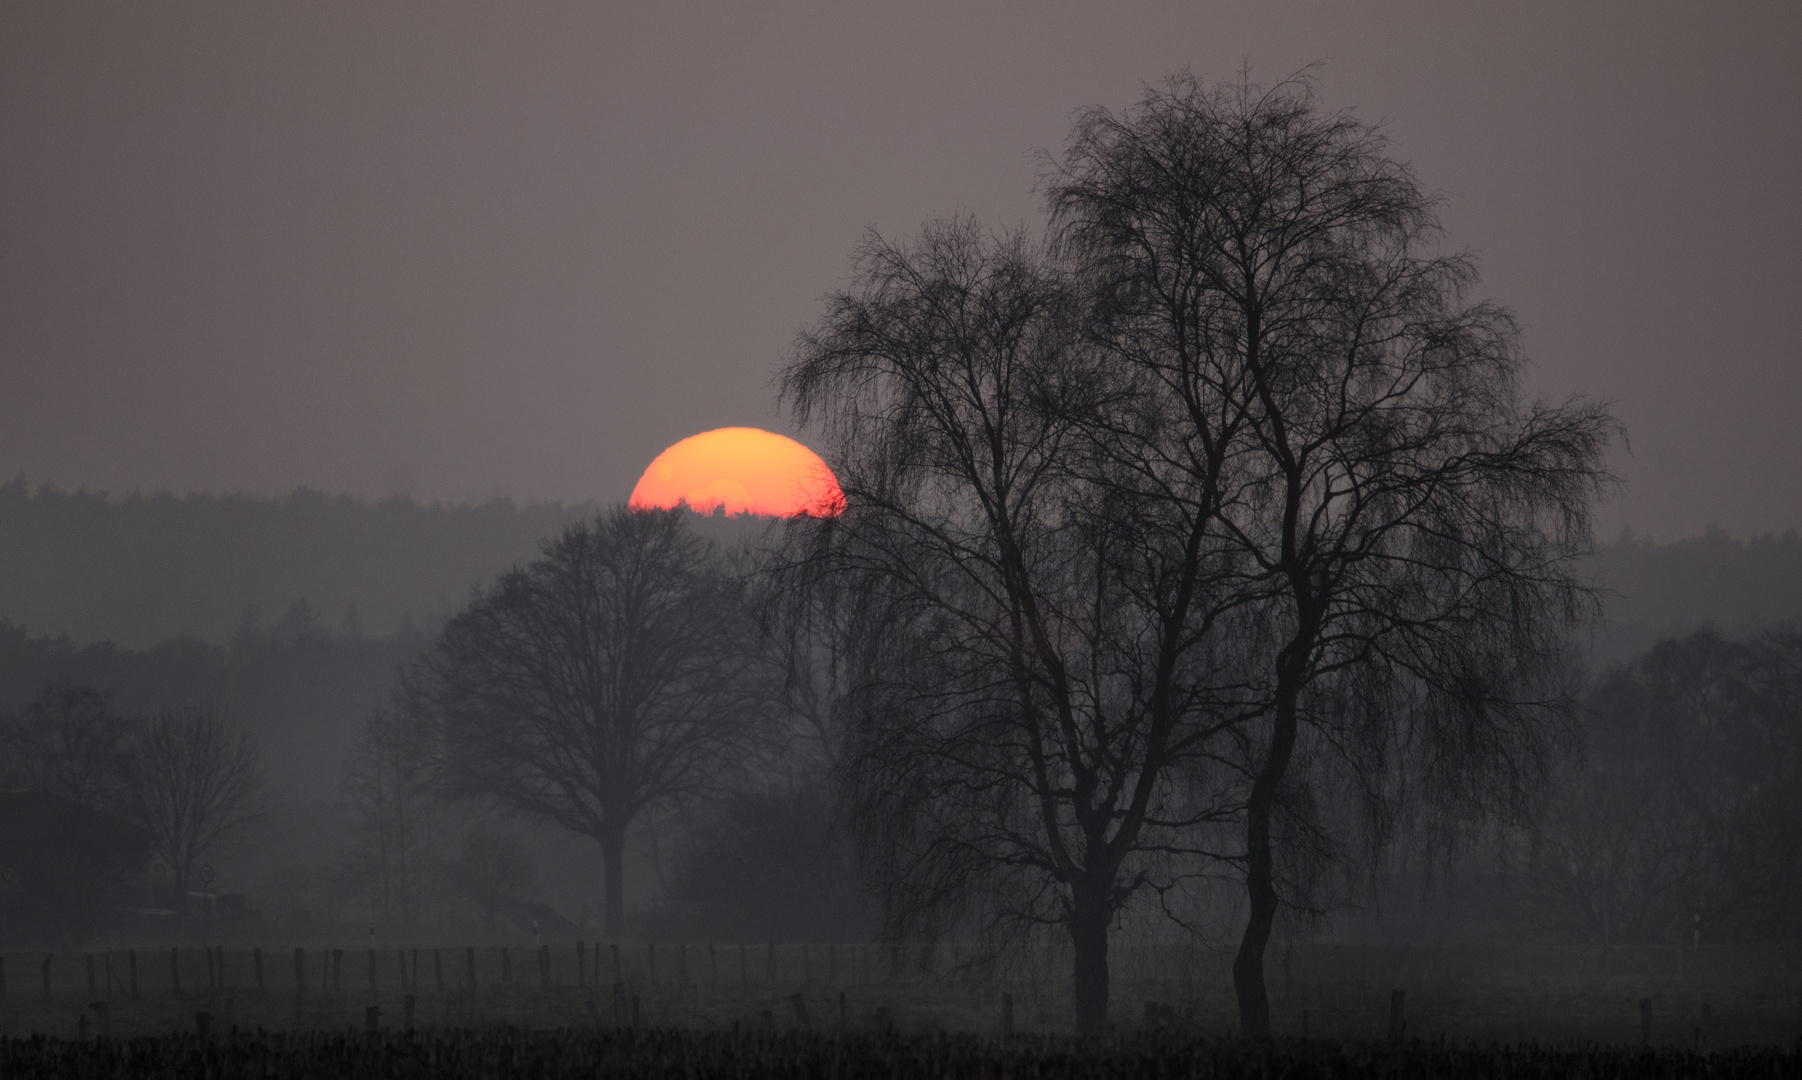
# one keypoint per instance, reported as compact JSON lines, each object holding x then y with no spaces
{"x":198,"y":971}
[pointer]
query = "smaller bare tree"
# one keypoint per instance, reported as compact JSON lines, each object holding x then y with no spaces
{"x":193,"y":779}
{"x":604,"y":683}
{"x":390,"y":782}
{"x":68,"y":743}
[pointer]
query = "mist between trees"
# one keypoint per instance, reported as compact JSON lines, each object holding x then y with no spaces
{"x":1204,"y":576}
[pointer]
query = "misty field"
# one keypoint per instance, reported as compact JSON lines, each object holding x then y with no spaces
{"x":1716,"y":997}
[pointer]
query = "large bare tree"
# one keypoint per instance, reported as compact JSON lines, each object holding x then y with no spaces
{"x":194,"y":778}
{"x":1407,"y":522}
{"x":1018,"y":680}
{"x":609,"y":679}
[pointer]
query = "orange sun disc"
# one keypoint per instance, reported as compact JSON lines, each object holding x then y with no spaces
{"x":745,"y":470}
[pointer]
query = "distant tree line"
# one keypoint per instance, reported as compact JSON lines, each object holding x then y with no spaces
{"x":1682,"y":821}
{"x":138,"y":568}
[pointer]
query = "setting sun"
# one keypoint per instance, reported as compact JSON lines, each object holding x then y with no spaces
{"x":745,"y":470}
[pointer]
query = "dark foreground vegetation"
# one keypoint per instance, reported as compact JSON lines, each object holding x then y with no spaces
{"x":565,"y":1052}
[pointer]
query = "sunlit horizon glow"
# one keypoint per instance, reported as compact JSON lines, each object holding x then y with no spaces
{"x":744,"y":470}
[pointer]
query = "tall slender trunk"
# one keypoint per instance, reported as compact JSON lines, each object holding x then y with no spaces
{"x":613,"y":848}
{"x":1260,"y":885}
{"x":1089,"y":918}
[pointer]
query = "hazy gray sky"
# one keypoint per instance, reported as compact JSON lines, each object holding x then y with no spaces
{"x":454,"y":251}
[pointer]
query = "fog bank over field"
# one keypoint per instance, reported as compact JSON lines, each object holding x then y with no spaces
{"x":138,"y":570}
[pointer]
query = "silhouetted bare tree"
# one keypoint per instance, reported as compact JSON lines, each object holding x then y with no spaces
{"x":1407,"y":521}
{"x":69,"y":743}
{"x":606,"y":680}
{"x":194,"y":779}
{"x":391,"y":782}
{"x":1020,"y":680}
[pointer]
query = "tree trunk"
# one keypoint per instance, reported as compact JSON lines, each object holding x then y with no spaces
{"x":1260,"y":886}
{"x":1089,"y":918}
{"x":613,"y":847}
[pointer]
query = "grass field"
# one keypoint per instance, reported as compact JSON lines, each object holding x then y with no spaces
{"x":1718,"y":997}
{"x":497,"y":1052}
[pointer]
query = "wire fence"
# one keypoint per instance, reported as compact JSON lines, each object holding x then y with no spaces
{"x":421,"y":969}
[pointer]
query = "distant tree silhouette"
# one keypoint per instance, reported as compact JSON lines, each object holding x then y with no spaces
{"x":194,"y":779}
{"x":69,"y":743}
{"x":607,"y":680}
{"x":390,"y":780}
